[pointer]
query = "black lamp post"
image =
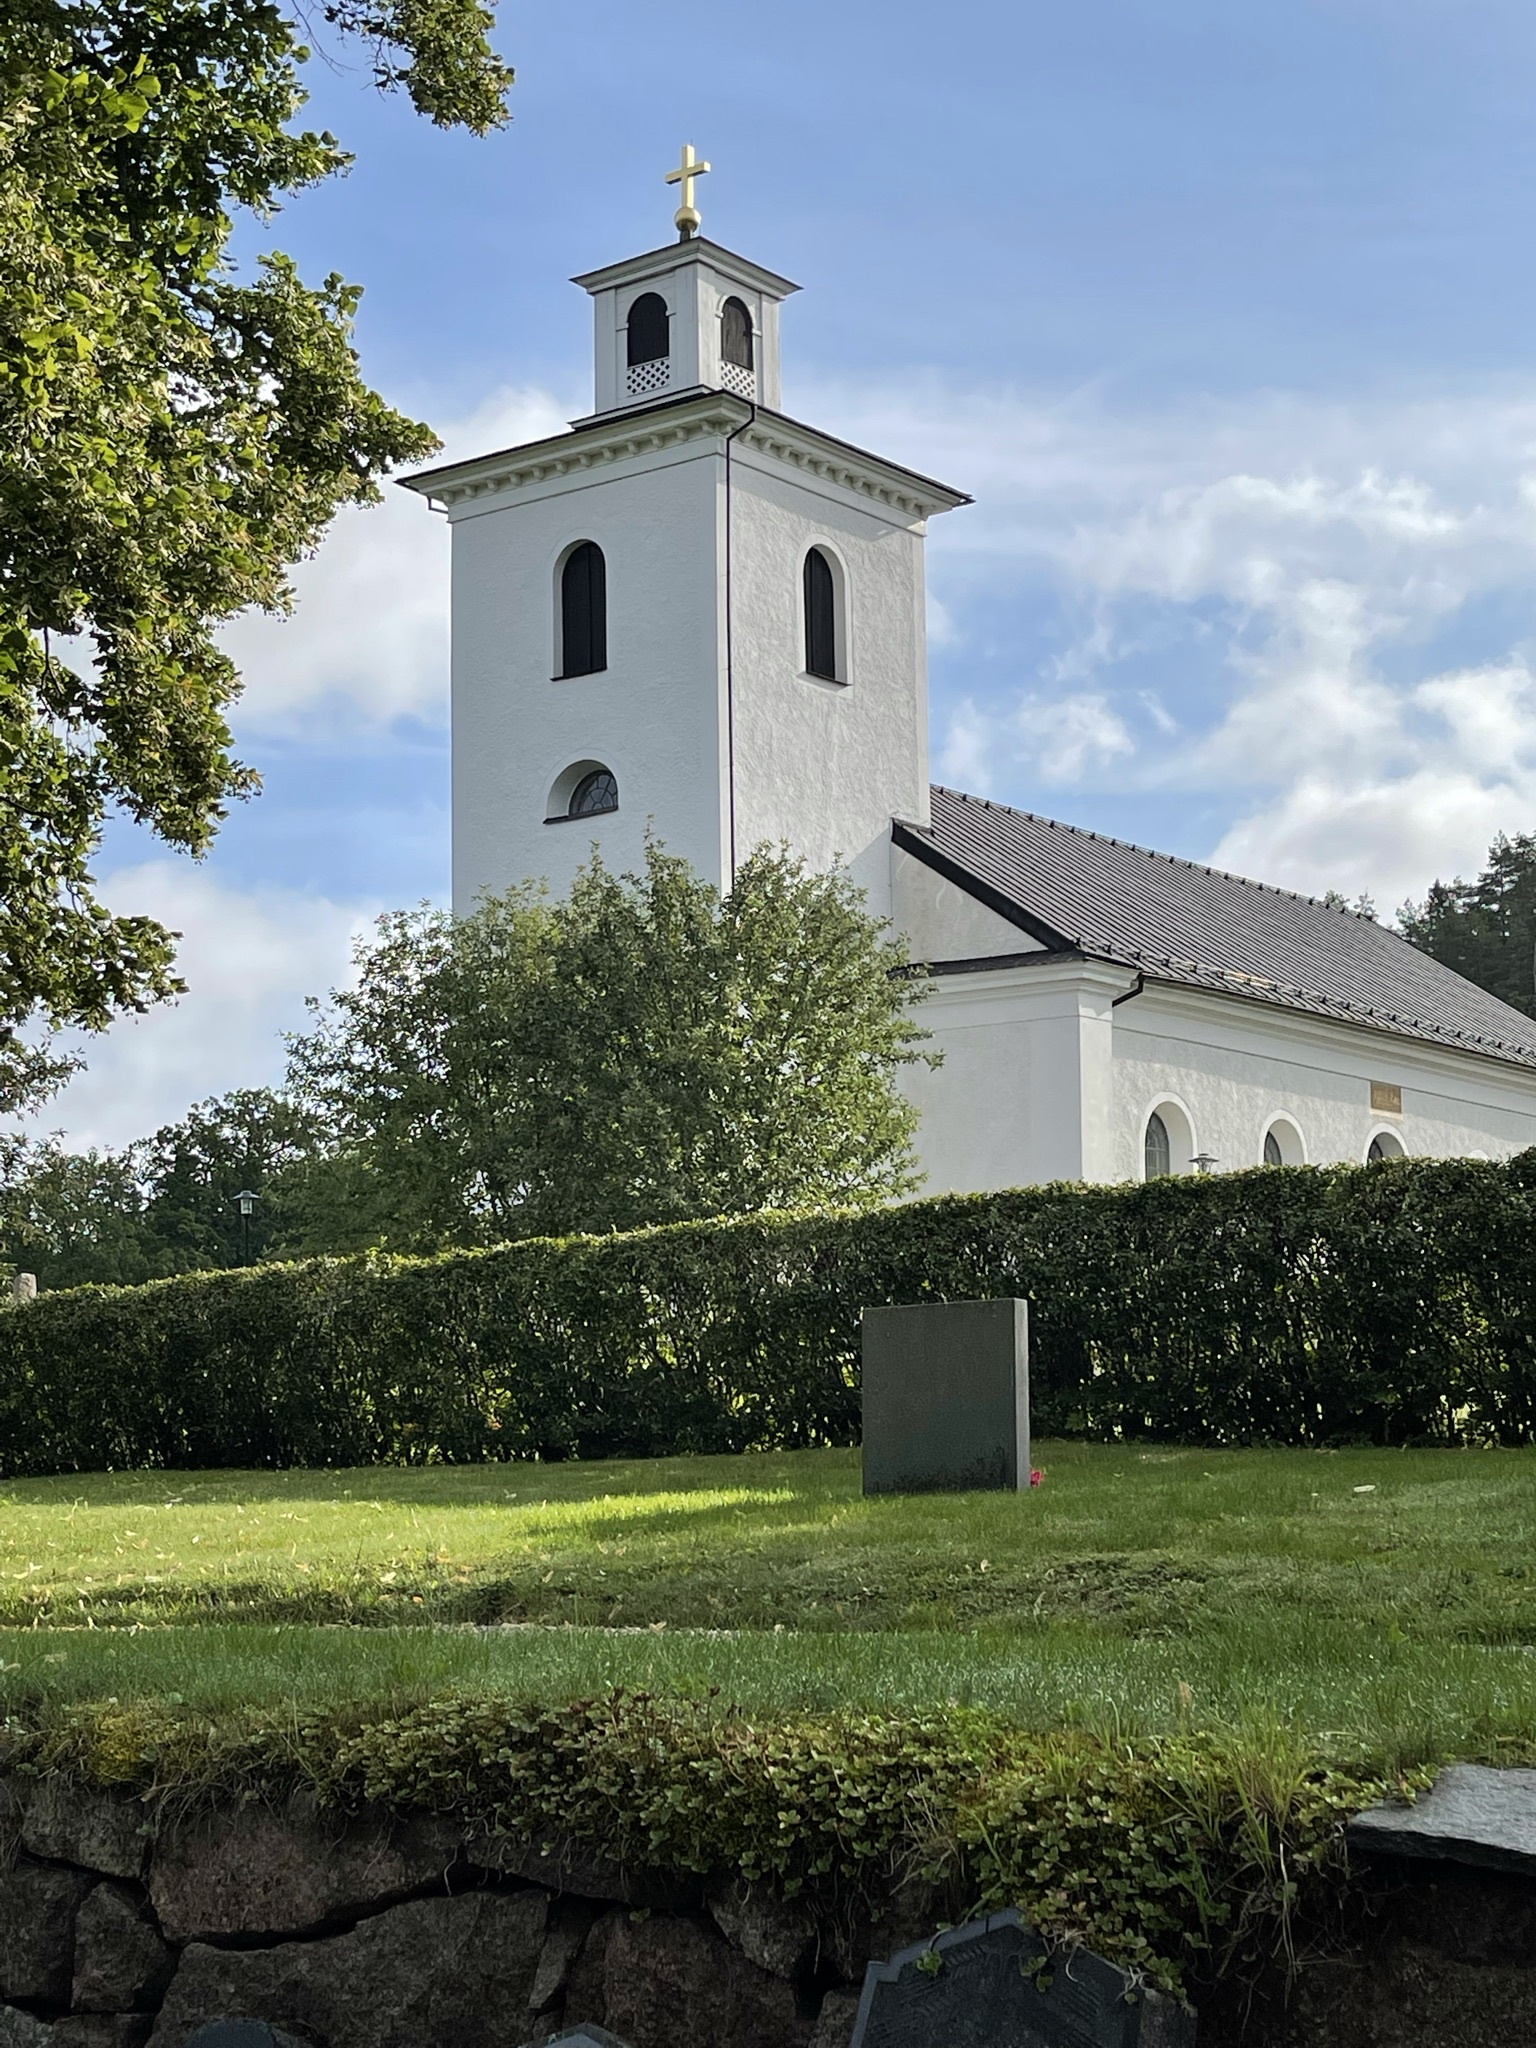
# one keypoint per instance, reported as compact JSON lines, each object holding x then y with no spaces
{"x":246,"y":1202}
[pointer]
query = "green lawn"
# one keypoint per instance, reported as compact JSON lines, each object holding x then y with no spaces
{"x":1383,"y":1598}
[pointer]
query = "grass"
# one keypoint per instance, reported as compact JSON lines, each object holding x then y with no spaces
{"x":1384,"y":1599}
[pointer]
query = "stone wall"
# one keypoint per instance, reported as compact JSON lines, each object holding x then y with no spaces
{"x":120,"y":1928}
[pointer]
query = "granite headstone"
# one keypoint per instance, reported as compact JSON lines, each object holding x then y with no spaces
{"x":994,"y":1984}
{"x":946,"y":1396}
{"x":1471,"y":1814}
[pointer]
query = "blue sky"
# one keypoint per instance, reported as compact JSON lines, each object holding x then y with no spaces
{"x":1223,"y":313}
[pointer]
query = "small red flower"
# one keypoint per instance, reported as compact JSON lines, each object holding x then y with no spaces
{"x":1037,"y":1477}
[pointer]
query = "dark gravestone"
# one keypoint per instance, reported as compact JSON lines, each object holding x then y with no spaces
{"x":1471,"y":1814}
{"x":994,"y":1984}
{"x":946,"y":1396}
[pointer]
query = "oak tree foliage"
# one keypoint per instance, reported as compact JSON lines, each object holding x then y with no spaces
{"x":173,"y":435}
{"x":642,"y":1051}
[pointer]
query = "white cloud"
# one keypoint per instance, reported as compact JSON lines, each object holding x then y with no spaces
{"x":369,"y":632}
{"x":249,"y":958}
{"x":1328,"y":574}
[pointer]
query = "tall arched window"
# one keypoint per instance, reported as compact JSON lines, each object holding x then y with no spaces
{"x":1158,"y":1151}
{"x":820,"y":618}
{"x":1273,"y":1156}
{"x":583,"y":611}
{"x":736,"y":334}
{"x":650,"y":330}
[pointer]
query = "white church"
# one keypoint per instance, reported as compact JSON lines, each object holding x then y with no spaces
{"x":694,"y":615}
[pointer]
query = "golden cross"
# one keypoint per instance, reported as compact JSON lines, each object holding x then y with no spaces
{"x":687,"y":215}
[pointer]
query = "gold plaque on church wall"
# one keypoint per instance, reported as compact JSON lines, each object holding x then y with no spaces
{"x":1387,"y":1096}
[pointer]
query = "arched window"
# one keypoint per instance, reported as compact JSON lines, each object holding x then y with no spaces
{"x":1385,"y":1145}
{"x":597,"y":791}
{"x":650,"y":330}
{"x":1284,"y":1144}
{"x":820,"y":618}
{"x":1158,"y":1152}
{"x":735,"y":334}
{"x":583,"y":611}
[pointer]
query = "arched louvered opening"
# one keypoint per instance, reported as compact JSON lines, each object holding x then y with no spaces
{"x":821,"y":634}
{"x":583,"y":611}
{"x":650,"y":330}
{"x":736,"y":334}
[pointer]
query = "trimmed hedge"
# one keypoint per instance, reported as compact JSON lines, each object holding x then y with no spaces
{"x":1386,"y":1304}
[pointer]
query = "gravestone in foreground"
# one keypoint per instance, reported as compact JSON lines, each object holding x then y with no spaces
{"x":946,"y":1397}
{"x":997,"y":1986}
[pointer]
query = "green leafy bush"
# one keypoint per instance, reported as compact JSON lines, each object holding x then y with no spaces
{"x":1386,"y":1304}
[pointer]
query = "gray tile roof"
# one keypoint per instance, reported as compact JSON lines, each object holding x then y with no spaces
{"x":1175,"y":921}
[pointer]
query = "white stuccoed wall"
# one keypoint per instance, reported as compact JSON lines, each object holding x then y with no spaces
{"x":1045,"y":1077}
{"x":653,"y":716}
{"x":1236,"y":1065}
{"x":825,"y":766}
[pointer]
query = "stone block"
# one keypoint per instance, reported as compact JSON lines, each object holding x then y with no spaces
{"x":1471,"y":1814}
{"x":946,"y":1397}
{"x":994,"y":1984}
{"x":566,"y":1866}
{"x":121,"y":1962}
{"x":777,"y":1934}
{"x":254,"y":1871}
{"x":665,"y":1981}
{"x":570,"y":1922}
{"x":451,"y":1971}
{"x":101,"y":2030}
{"x":100,"y":1830}
{"x":23,"y":2029}
{"x":38,"y":1904}
{"x":834,"y":2022}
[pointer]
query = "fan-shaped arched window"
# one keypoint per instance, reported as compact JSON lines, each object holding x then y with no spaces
{"x":820,"y":617}
{"x":1158,"y":1151}
{"x":650,"y":330}
{"x":1385,"y":1145}
{"x":583,"y":611}
{"x":595,"y":793}
{"x":736,"y":334}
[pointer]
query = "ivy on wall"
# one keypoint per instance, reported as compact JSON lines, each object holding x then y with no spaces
{"x":1386,"y":1304}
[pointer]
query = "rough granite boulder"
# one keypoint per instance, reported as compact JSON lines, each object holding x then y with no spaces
{"x":21,"y":2030}
{"x":566,"y":1866}
{"x":658,"y":1983}
{"x":38,"y":1904}
{"x":71,"y":1823}
{"x":570,"y":1922}
{"x":777,"y":1934}
{"x":456,"y":1972}
{"x":259,"y":1872}
{"x":121,"y":1963}
{"x":834,"y":2023}
{"x":101,"y":2030}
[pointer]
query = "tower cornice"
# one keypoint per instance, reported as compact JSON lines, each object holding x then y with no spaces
{"x":616,"y":437}
{"x":674,"y":255}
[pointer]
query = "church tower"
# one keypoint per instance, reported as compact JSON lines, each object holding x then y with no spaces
{"x":690,"y":615}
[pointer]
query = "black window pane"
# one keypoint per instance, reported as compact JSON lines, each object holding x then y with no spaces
{"x":584,"y":611}
{"x":820,"y":618}
{"x":1272,"y":1153}
{"x":1158,"y":1151}
{"x":595,"y":793}
{"x":736,"y":334}
{"x":649,"y":329}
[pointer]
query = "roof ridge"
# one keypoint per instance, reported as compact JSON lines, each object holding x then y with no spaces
{"x":1176,"y":860}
